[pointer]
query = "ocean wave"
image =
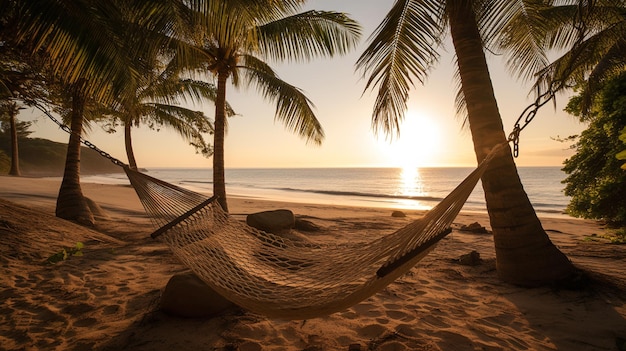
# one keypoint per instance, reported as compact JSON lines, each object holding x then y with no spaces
{"x":362,"y":194}
{"x":196,"y":181}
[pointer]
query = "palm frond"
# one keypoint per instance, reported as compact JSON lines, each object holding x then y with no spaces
{"x":190,"y":125}
{"x":293,"y":108}
{"x":184,"y":121}
{"x":602,"y":48}
{"x":609,"y":66}
{"x":519,"y":28}
{"x":81,"y":39}
{"x":307,"y":35}
{"x":229,"y":24}
{"x":402,"y":49}
{"x":460,"y":104}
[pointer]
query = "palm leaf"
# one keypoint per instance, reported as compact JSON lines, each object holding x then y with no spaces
{"x":519,"y":28}
{"x":594,"y":57}
{"x":307,"y":35}
{"x":402,"y":49}
{"x":293,"y":108}
{"x":81,"y":40}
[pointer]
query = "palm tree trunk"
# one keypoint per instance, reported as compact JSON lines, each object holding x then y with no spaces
{"x":219,"y":180}
{"x":71,"y":203}
{"x":128,"y":142}
{"x":13,"y":109}
{"x":524,"y":253}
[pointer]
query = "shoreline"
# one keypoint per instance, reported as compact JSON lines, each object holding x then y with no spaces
{"x":318,"y":197}
{"x":108,"y":299}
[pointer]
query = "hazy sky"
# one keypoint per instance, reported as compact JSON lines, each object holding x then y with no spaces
{"x":431,"y":135}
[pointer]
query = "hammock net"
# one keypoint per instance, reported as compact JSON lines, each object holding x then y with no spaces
{"x":283,"y":278}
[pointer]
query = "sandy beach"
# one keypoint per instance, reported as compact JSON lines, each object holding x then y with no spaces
{"x":108,"y":298}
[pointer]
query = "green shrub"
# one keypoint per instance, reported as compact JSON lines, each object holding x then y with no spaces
{"x":596,"y":182}
{"x":622,"y":154}
{"x":66,"y":253}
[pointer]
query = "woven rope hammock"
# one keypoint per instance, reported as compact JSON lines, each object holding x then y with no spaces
{"x":283,"y":278}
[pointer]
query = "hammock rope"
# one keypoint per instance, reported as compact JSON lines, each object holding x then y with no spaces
{"x":282,"y":278}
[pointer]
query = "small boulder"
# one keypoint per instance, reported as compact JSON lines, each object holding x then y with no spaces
{"x":398,"y":214}
{"x":470,"y":259}
{"x":474,"y":228}
{"x":275,"y":221}
{"x":186,"y":295}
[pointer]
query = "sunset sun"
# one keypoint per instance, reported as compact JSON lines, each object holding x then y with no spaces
{"x":418,"y":144}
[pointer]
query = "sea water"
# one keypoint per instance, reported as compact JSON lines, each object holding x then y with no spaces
{"x":371,"y":187}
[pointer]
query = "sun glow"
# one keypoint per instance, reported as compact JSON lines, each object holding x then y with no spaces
{"x":418,"y":144}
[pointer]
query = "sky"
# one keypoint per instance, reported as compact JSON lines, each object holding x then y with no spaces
{"x":431,"y":135}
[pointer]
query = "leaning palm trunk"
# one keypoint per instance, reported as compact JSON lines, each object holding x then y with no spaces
{"x":128,"y":143}
{"x":15,"y":156}
{"x":524,"y":253}
{"x":71,"y":203}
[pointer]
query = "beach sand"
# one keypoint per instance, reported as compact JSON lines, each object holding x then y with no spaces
{"x":108,"y":299}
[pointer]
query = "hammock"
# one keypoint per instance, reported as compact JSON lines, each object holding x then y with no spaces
{"x":282,"y":278}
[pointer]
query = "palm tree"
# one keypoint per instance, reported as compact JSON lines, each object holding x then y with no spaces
{"x":21,"y":81}
{"x":16,"y":83}
{"x":71,"y":203}
{"x":79,"y":41}
{"x":84,"y":45}
{"x":240,"y":35}
{"x":12,"y":109}
{"x":157,"y":103}
{"x":405,"y":47}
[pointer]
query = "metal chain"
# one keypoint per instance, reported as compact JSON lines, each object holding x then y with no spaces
{"x":82,"y":140}
{"x":530,"y":112}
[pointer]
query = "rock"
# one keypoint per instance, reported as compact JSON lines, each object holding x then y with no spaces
{"x":306,"y":225}
{"x":474,"y":228}
{"x":275,"y":221}
{"x":186,"y":295}
{"x":470,"y":259}
{"x":398,"y":214}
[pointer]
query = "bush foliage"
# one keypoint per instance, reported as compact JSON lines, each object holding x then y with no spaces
{"x":596,"y":182}
{"x":622,"y":154}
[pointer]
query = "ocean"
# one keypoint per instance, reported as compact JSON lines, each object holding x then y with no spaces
{"x":370,"y":187}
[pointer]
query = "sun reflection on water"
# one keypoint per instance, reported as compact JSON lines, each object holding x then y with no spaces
{"x":411,"y":188}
